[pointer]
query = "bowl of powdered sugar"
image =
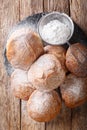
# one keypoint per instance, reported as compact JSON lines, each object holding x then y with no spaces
{"x":56,"y":28}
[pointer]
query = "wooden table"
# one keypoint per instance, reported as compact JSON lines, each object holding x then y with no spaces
{"x":13,"y":113}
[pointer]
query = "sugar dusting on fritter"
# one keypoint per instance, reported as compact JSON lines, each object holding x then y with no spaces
{"x":74,"y":85}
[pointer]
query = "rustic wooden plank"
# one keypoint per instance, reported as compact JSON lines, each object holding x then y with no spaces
{"x":9,"y":106}
{"x":28,"y":8}
{"x":62,"y":121}
{"x":79,"y":118}
{"x":56,"y":5}
{"x":26,"y":122}
{"x":78,"y":11}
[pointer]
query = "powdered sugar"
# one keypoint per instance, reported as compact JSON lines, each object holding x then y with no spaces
{"x":42,"y":102}
{"x":19,"y":76}
{"x":55,"y":32}
{"x":76,"y":86}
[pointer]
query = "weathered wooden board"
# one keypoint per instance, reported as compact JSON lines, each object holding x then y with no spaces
{"x":13,"y":116}
{"x":78,"y":12}
{"x":9,"y":106}
{"x":79,"y":118}
{"x":26,"y":122}
{"x":30,"y":8}
{"x":62,"y":122}
{"x":56,"y":5}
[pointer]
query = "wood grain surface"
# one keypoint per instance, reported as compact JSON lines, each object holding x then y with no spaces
{"x":26,"y":122}
{"x":32,"y":8}
{"x":79,"y":118}
{"x":56,"y":5}
{"x":29,"y":7}
{"x":78,"y":11}
{"x":62,"y":121}
{"x":13,"y":113}
{"x":9,"y":105}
